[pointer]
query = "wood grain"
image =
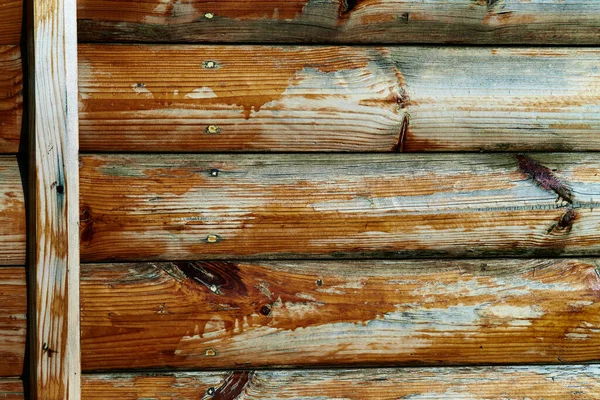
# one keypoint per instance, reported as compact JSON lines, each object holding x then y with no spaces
{"x":223,"y":206}
{"x":54,"y":186}
{"x":341,"y":21}
{"x":580,"y":382}
{"x":11,"y":97}
{"x":309,"y":313}
{"x":11,"y":389}
{"x":12,"y":213}
{"x":13,"y":322}
{"x":258,"y":98}
{"x":11,"y":18}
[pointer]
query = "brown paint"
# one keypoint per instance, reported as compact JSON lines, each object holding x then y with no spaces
{"x":12,"y":213}
{"x":246,"y":96}
{"x":539,"y":382}
{"x":11,"y":95}
{"x":257,"y":214}
{"x":86,"y":224}
{"x":355,"y":293}
{"x":218,"y":276}
{"x":13,"y":320}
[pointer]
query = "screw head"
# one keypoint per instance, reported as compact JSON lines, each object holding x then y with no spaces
{"x":209,"y":15}
{"x":210,"y":352}
{"x":213,"y":129}
{"x":210,"y":64}
{"x":212,"y":238}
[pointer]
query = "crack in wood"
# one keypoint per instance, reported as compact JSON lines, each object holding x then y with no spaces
{"x":544,"y":177}
{"x":399,"y":148}
{"x":233,"y":386}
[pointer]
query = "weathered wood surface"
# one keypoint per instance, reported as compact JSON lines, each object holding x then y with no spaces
{"x":11,"y":97}
{"x":536,"y":382}
{"x":11,"y":18}
{"x":226,"y":98}
{"x":341,"y":21}
{"x":11,"y":389}
{"x":223,"y":206}
{"x":13,"y":321}
{"x":306,"y":313}
{"x":54,"y":187}
{"x":12,"y":213}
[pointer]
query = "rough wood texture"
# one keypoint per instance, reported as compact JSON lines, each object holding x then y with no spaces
{"x":223,"y":206}
{"x":12,"y":213}
{"x":13,"y":321}
{"x":53,"y":212}
{"x":11,"y":389}
{"x":225,"y":98}
{"x":580,"y":382}
{"x":342,"y":21}
{"x":11,"y":17}
{"x":11,"y":98}
{"x":307,"y":313}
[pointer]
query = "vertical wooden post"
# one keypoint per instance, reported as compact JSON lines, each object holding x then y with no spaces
{"x":54,"y":197}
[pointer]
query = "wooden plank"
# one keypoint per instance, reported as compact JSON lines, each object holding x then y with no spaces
{"x":13,"y":321}
{"x":12,"y":213}
{"x":223,"y":206}
{"x":11,"y":17}
{"x":54,"y":359}
{"x":341,"y":21}
{"x":11,"y":389}
{"x":240,"y":98}
{"x":534,"y":382}
{"x":309,"y":313}
{"x":11,"y":98}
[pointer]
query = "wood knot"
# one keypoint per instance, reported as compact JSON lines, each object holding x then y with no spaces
{"x":86,"y":225}
{"x":565,"y":222}
{"x":265,"y":310}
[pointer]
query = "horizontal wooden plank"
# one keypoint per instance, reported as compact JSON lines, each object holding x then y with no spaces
{"x":13,"y":322}
{"x":11,"y":18}
{"x":307,"y":313}
{"x":240,"y":98}
{"x":11,"y":389}
{"x":342,"y":21}
{"x":536,"y":382}
{"x":11,"y":97}
{"x":223,"y":206}
{"x":12,"y":213}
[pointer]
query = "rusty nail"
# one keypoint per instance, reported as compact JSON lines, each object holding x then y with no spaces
{"x":210,"y":65}
{"x":212,"y":238}
{"x":209,"y":15}
{"x":213,"y":130}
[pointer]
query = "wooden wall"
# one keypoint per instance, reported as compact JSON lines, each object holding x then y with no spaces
{"x":252,"y":225}
{"x":13,"y":289}
{"x":245,"y":208}
{"x":342,"y":21}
